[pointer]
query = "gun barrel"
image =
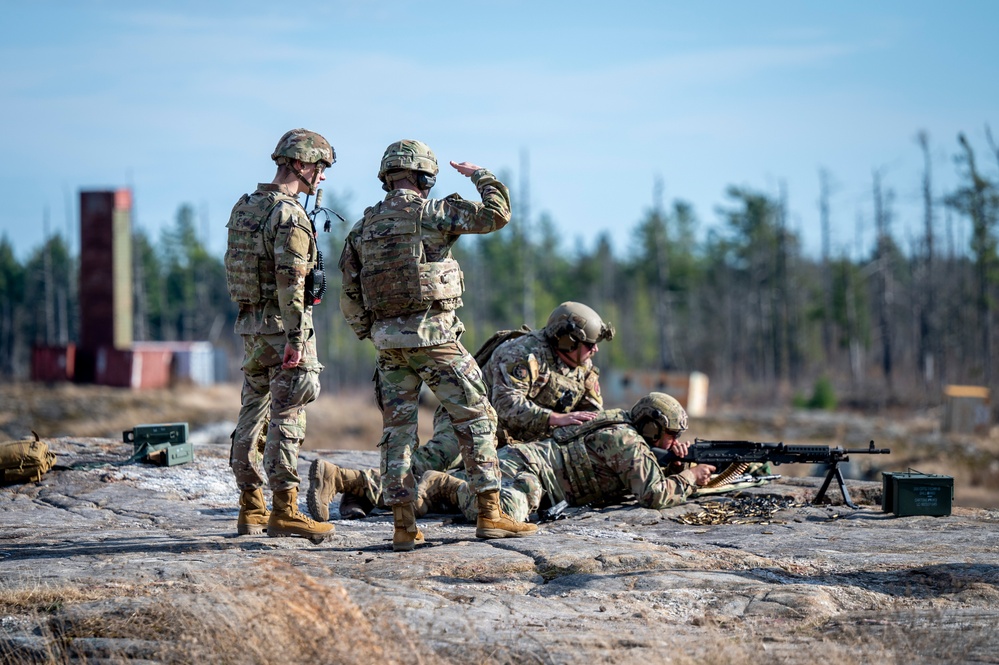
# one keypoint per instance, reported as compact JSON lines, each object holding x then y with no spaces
{"x":870,"y":450}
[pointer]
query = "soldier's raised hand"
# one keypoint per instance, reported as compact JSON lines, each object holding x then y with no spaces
{"x":465,"y":168}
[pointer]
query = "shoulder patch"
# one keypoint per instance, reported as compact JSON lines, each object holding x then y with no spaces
{"x":299,"y":242}
{"x":520,"y":372}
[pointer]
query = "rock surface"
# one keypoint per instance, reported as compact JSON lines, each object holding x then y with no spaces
{"x":139,"y":563}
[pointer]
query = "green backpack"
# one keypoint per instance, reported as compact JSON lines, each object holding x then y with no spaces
{"x":24,"y":461}
{"x":485,"y":351}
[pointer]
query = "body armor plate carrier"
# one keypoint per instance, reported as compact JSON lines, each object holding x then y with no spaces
{"x":397,"y":277}
{"x":249,"y":270}
{"x":578,"y":466}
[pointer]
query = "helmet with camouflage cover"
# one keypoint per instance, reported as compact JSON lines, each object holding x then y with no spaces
{"x":305,"y":146}
{"x":571,"y":323}
{"x":656,"y":414}
{"x":408,"y":155}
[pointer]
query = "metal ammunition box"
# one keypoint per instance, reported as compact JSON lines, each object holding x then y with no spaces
{"x":914,"y":493}
{"x":151,"y":436}
{"x":171,"y":455}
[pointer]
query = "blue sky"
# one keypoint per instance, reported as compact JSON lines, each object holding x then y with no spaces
{"x":184,"y":101}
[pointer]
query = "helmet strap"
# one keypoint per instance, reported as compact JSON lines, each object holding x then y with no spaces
{"x":311,"y":185}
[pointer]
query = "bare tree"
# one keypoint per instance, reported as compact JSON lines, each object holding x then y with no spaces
{"x":928,"y":337}
{"x":883,"y":276}
{"x":827,"y":333}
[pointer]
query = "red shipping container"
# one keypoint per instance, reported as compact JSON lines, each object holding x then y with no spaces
{"x":53,"y":363}
{"x":132,"y":369}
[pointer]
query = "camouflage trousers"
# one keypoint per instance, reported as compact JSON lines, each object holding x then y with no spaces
{"x":274,"y":397}
{"x":439,"y":453}
{"x":454,"y":377}
{"x":526,"y":481}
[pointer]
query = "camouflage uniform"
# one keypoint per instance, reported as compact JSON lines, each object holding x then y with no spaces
{"x":598,"y":462}
{"x":271,"y":249}
{"x":421,"y":345}
{"x":526,"y":381}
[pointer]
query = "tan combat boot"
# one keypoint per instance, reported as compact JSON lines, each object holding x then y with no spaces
{"x":494,"y":523}
{"x":286,"y":521}
{"x":325,"y":482}
{"x":437,"y":491}
{"x":354,"y":506}
{"x":406,"y":535}
{"x":253,"y":513}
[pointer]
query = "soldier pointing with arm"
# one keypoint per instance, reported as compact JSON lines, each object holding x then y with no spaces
{"x":401,"y":287}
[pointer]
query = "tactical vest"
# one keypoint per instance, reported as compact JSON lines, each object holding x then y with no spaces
{"x":562,"y":393}
{"x":578,"y":466}
{"x":249,"y":268}
{"x":397,"y":275}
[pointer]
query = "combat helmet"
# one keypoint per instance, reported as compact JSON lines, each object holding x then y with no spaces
{"x":409,"y":155}
{"x":305,"y":146}
{"x":571,"y":323}
{"x":656,"y":414}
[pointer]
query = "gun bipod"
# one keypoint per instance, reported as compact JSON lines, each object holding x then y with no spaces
{"x":834,"y":471}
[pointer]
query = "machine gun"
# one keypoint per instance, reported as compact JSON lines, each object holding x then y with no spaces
{"x":722,"y":453}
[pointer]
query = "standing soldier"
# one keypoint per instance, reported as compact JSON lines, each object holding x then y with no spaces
{"x":401,"y":287}
{"x":270,"y":266}
{"x":535,"y":380}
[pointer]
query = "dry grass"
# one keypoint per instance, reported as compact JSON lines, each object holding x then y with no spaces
{"x":275,"y":613}
{"x":46,"y":599}
{"x":272,"y":614}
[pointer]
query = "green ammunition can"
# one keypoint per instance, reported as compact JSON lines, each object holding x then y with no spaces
{"x":153,"y":436}
{"x":914,"y":493}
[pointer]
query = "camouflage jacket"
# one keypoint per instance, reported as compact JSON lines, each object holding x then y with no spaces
{"x":442,"y":222}
{"x":287,"y":243}
{"x":600,"y":467}
{"x":527,"y":381}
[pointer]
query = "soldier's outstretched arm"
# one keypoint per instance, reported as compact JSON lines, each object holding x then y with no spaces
{"x":465,"y":168}
{"x":454,"y":215}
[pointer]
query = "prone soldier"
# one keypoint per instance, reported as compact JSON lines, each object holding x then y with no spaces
{"x":401,"y":287}
{"x":600,"y":461}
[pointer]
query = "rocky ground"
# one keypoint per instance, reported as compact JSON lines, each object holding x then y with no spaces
{"x":101,"y":562}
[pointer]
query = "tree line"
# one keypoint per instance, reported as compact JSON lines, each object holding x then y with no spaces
{"x":742,"y":302}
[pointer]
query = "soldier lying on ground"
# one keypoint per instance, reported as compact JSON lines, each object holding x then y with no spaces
{"x":536,"y":381}
{"x":599,"y":461}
